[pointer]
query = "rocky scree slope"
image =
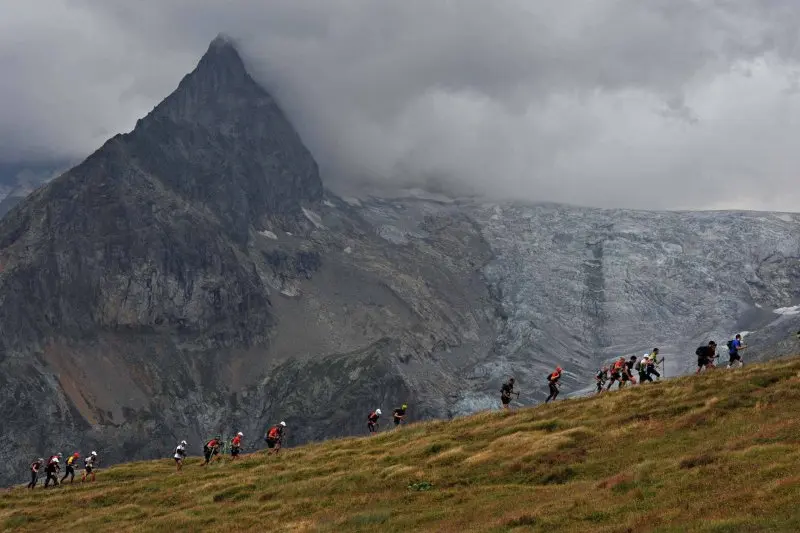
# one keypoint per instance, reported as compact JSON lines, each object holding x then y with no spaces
{"x":193,"y":277}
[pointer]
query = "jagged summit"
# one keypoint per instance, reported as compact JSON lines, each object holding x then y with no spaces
{"x":220,"y":76}
{"x":222,"y":40}
{"x":220,"y":138}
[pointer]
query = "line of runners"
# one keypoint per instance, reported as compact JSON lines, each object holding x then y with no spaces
{"x":620,"y":371}
{"x":52,"y":467}
{"x":273,"y":437}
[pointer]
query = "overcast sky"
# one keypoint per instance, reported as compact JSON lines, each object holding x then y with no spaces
{"x":614,"y":103}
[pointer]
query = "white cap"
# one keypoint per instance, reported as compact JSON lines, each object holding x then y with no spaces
{"x":647,"y":354}
{"x":55,"y":459}
{"x":94,"y":453}
{"x":283,"y":423}
{"x":240,"y":434}
{"x":183,"y":442}
{"x":378,"y":411}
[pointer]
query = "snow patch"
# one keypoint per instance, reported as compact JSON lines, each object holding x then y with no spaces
{"x":795,"y":310}
{"x":392,"y":234}
{"x":268,"y":234}
{"x":348,"y":250}
{"x":329,"y":203}
{"x":313,"y":217}
{"x":349,"y":200}
{"x":422,"y":194}
{"x":786,"y":217}
{"x":290,"y":291}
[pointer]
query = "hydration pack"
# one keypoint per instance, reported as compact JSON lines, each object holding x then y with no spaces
{"x":701,"y":351}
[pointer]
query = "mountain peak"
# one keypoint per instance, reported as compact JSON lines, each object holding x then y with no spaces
{"x":220,"y":130}
{"x":223,"y":40}
{"x":222,"y":57}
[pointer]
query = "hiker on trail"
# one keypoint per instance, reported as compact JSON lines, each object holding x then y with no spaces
{"x":616,"y":372}
{"x":399,"y":415}
{"x":653,"y":365}
{"x":88,"y":467}
{"x":35,"y":466}
{"x":601,"y":377}
{"x":506,"y":391}
{"x":641,"y":366}
{"x":627,"y":371}
{"x":71,"y":467}
{"x":552,"y":382}
{"x":706,"y":356}
{"x":211,"y":449}
{"x":236,"y":445}
{"x":51,"y":470}
{"x":274,"y":437}
{"x":372,"y":420}
{"x":179,"y":455}
{"x":734,"y":347}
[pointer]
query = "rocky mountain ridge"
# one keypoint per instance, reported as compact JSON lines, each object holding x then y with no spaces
{"x":193,"y":276}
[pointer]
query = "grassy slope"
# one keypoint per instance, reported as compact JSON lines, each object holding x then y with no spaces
{"x":717,"y":453}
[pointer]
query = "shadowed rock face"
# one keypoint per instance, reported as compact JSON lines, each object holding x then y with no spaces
{"x":192,"y":277}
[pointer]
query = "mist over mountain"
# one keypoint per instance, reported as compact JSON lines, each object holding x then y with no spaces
{"x":611,"y":103}
{"x":193,"y":276}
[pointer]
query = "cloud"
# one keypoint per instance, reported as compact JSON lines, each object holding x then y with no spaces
{"x":619,"y":103}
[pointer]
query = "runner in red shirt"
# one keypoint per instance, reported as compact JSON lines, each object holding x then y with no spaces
{"x":236,"y":445}
{"x":211,"y":448}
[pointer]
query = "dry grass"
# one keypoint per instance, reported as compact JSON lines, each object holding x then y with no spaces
{"x":714,"y":453}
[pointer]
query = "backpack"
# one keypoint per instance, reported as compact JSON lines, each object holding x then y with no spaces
{"x":273,"y":433}
{"x":730,"y":346}
{"x":638,"y":365}
{"x":701,"y":351}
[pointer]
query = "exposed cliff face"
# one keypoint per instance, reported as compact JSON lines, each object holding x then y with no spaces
{"x":192,"y":277}
{"x":186,"y":278}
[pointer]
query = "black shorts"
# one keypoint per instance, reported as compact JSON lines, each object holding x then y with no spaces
{"x":234,"y":452}
{"x":88,"y":469}
{"x":702,"y":361}
{"x":734,"y":357}
{"x":372,"y":426}
{"x":178,"y":459}
{"x":505,"y":399}
{"x":271,"y":443}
